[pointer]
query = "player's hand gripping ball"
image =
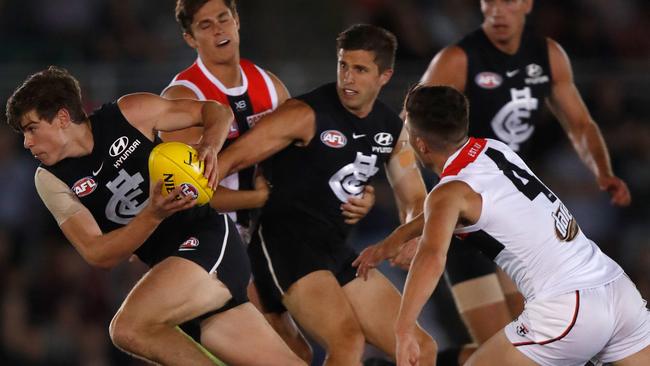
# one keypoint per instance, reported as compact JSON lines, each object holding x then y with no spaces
{"x":177,"y":165}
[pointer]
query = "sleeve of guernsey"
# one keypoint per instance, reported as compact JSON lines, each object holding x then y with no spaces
{"x":56,"y":195}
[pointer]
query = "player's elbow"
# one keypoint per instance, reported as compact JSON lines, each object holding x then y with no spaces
{"x":223,"y":112}
{"x":99,"y":260}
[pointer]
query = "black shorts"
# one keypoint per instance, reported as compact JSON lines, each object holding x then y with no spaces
{"x":281,"y":253}
{"x":466,"y":262}
{"x":215,"y":245}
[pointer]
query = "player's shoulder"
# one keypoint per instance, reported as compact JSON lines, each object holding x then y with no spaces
{"x":452,"y":54}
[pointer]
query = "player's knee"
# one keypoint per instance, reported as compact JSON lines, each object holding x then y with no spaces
{"x":123,"y":333}
{"x":349,"y":340}
{"x":428,"y":351}
{"x":128,"y":332}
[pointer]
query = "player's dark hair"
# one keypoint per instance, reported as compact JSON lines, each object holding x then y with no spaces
{"x":370,"y":38}
{"x":185,"y":10}
{"x":46,"y":92}
{"x":439,"y":113}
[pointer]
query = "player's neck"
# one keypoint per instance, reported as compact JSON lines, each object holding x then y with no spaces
{"x":81,"y":140}
{"x":509,"y":46}
{"x":228,"y":73}
{"x":440,"y":157}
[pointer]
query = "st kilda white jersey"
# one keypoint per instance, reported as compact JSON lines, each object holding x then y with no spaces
{"x":531,"y":235}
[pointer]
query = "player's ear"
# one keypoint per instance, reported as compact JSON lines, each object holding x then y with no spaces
{"x":189,"y":39}
{"x":529,"y":6}
{"x":63,"y":118}
{"x":385,"y":76}
{"x":235,"y":15}
{"x":420,"y":146}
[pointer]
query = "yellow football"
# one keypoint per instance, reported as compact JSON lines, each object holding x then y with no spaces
{"x":177,"y":165}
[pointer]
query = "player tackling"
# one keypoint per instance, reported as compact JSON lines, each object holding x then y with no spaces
{"x":580,"y":305}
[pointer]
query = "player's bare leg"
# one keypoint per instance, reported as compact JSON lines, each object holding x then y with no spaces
{"x":482,"y":306}
{"x":499,"y":351}
{"x":284,"y":325}
{"x":638,"y":359}
{"x":241,"y":336}
{"x":321,"y":307}
{"x":376,"y":303}
{"x":172,"y":292}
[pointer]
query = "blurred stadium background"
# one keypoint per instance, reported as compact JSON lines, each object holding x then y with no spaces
{"x":55,"y":309}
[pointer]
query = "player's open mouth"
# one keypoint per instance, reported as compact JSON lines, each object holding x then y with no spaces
{"x":223,"y":43}
{"x":350,"y":92}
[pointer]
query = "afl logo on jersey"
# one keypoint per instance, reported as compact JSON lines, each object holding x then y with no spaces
{"x":488,"y":80}
{"x":84,"y":186}
{"x":384,"y":138}
{"x":190,"y":244}
{"x":118,"y":146}
{"x":333,"y":138}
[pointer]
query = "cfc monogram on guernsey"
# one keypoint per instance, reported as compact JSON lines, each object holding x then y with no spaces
{"x":344,"y":155}
{"x":349,"y":180}
{"x":113,"y":182}
{"x":249,"y":102}
{"x":506,"y":91}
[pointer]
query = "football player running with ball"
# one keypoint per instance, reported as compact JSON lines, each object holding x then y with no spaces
{"x":94,"y":180}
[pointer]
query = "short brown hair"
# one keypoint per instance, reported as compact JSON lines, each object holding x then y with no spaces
{"x":46,"y":92}
{"x":185,"y":10}
{"x":370,"y":38}
{"x":439,"y":113}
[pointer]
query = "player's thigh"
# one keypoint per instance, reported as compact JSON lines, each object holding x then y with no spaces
{"x":499,"y":351}
{"x":376,"y":303}
{"x":641,"y":358}
{"x":241,"y":336}
{"x":319,"y":304}
{"x":482,"y":306}
{"x":631,"y":335}
{"x":174,"y":291}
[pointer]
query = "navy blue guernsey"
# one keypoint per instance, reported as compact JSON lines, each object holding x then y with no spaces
{"x":506,"y":92}
{"x":311,"y":182}
{"x":113,"y":182}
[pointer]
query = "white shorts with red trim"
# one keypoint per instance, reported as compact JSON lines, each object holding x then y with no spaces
{"x":603,"y":324}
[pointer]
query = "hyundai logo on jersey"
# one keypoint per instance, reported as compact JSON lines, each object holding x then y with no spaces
{"x":384,"y":138}
{"x":333,"y":138}
{"x":118,"y":146}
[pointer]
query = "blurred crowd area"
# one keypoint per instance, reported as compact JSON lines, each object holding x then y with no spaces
{"x":55,"y":309}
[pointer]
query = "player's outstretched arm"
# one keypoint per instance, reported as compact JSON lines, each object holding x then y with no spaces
{"x":151,"y":113}
{"x":390,"y":247}
{"x":293,"y":122}
{"x":567,"y":105}
{"x":229,"y":200}
{"x":405,"y":179}
{"x":444,"y":206}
